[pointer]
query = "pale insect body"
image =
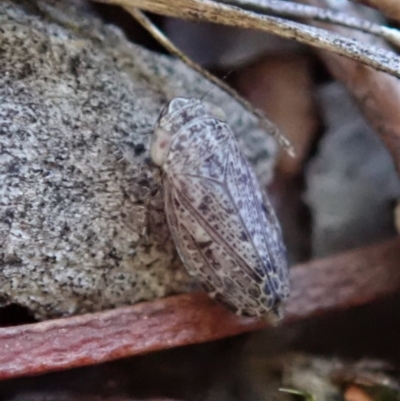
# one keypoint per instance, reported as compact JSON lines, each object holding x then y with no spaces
{"x":225,"y":230}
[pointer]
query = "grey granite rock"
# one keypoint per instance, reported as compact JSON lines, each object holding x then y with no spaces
{"x":351,"y":182}
{"x":82,"y":226}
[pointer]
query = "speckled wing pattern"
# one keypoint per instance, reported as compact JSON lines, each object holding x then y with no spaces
{"x":225,"y":232}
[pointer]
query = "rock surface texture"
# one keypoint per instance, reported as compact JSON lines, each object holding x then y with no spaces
{"x":82,"y":226}
{"x":352,"y":182}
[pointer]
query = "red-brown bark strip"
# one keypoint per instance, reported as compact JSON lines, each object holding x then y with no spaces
{"x":346,"y":280}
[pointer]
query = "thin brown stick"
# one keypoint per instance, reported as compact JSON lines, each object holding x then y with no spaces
{"x":164,"y":41}
{"x":211,"y":11}
{"x":331,"y":284}
{"x":304,"y":11}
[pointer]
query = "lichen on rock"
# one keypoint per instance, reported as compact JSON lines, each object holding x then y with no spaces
{"x":82,"y":226}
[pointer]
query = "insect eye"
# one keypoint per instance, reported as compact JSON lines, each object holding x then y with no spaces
{"x":174,"y":105}
{"x":160,"y":145}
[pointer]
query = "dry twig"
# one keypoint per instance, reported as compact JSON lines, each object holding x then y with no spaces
{"x":304,"y":11}
{"x":164,"y":41}
{"x":211,"y":11}
{"x":343,"y":281}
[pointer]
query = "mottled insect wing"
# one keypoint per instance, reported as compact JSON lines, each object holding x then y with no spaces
{"x":226,"y":235}
{"x":258,"y":216}
{"x":201,"y":261}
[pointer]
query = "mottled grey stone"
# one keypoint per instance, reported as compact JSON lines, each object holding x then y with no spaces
{"x":351,"y":182}
{"x":82,"y":226}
